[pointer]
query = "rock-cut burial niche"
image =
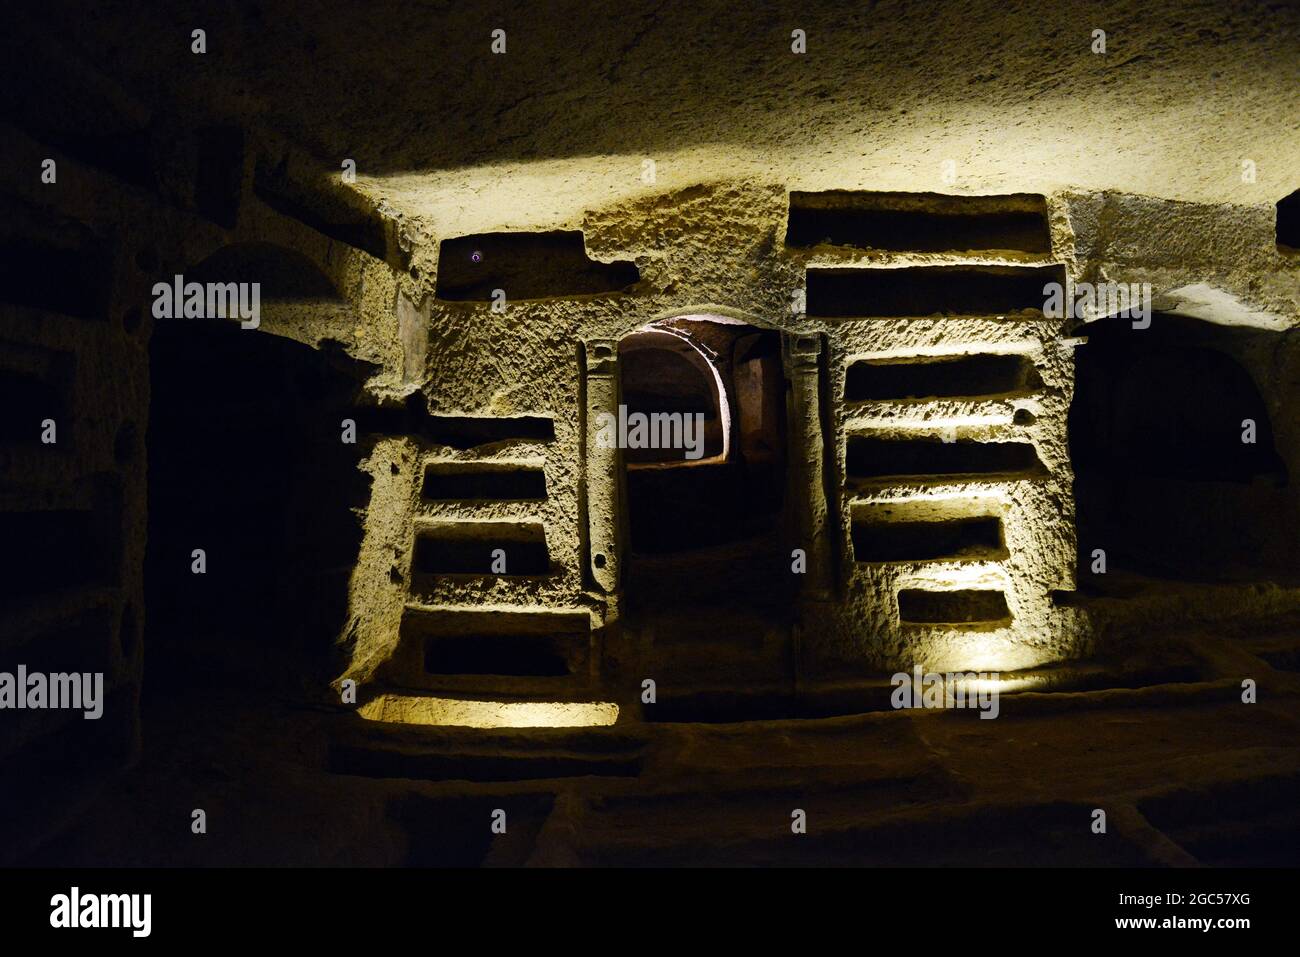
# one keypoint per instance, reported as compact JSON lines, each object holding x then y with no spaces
{"x":545,"y":265}
{"x":1288,"y":222}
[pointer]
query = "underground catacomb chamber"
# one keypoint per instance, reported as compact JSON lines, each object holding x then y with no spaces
{"x":366,"y":574}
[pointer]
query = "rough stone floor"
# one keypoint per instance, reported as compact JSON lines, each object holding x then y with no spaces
{"x":1186,"y":772}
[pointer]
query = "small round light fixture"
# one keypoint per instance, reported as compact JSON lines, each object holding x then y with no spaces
{"x":476,"y":257}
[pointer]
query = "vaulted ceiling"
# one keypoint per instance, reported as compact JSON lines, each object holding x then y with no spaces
{"x":1011,"y":93}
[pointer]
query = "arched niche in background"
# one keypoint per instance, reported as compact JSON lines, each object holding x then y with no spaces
{"x":728,"y":371}
{"x":284,"y":274}
{"x":1167,"y":481}
{"x":667,"y":374}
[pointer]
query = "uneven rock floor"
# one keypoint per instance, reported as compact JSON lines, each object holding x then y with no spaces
{"x":1186,"y":773}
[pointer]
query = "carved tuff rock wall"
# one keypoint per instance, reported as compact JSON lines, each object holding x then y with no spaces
{"x":928,"y":391}
{"x":929,"y":470}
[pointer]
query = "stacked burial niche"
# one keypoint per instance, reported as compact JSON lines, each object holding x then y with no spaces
{"x":942,"y":435}
{"x":71,"y":509}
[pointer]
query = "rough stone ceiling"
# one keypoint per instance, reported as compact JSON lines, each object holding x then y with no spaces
{"x":444,"y":130}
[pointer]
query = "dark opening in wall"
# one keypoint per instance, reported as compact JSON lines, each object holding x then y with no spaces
{"x":81,"y":643}
{"x":90,"y":124}
{"x":220,"y":173}
{"x":130,"y":155}
{"x":245,"y":462}
{"x":53,"y":773}
{"x":470,"y":431}
{"x":514,"y":655}
{"x":967,"y":607}
{"x":1288,"y":222}
{"x":929,"y":290}
{"x":75,"y":282}
{"x":676,"y":503}
{"x":474,"y":548}
{"x":283,"y":273}
{"x":62,"y":548}
{"x":447,"y":643}
{"x":454,"y":431}
{"x":525,"y":266}
{"x":26,"y":400}
{"x":1167,"y":481}
{"x":665,"y":376}
{"x":102,"y":133}
{"x":483,"y":481}
{"x":876,"y":458}
{"x":440,"y":832}
{"x":877,"y":538}
{"x":921,"y":377}
{"x":919,"y":222}
{"x":1220,"y":824}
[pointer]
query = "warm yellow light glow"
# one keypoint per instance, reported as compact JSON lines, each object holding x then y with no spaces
{"x":934,"y":423}
{"x":464,"y":713}
{"x":958,"y":577}
{"x":989,"y":652}
{"x":975,"y":686}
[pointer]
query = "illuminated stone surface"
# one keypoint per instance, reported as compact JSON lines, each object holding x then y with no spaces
{"x":532,"y":167}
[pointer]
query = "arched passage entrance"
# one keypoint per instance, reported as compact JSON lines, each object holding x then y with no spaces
{"x":707,"y":579}
{"x":1176,"y":471}
{"x":246,"y":464}
{"x":714,"y":390}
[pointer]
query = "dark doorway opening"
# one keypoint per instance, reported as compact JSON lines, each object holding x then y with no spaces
{"x":708,"y":578}
{"x":724,"y":481}
{"x":1288,"y":222}
{"x":246,"y":463}
{"x":1176,"y":473}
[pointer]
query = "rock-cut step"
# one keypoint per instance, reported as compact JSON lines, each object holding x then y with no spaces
{"x":386,"y":750}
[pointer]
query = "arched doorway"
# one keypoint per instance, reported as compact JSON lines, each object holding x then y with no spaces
{"x":1176,"y":471}
{"x":707,"y":576}
{"x":708,"y":467}
{"x":246,"y":464}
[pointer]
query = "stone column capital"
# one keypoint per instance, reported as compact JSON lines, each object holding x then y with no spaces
{"x":602,"y":356}
{"x":802,"y":350}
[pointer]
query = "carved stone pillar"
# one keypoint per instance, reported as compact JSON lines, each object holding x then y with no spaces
{"x":604,"y":466}
{"x":808,"y":464}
